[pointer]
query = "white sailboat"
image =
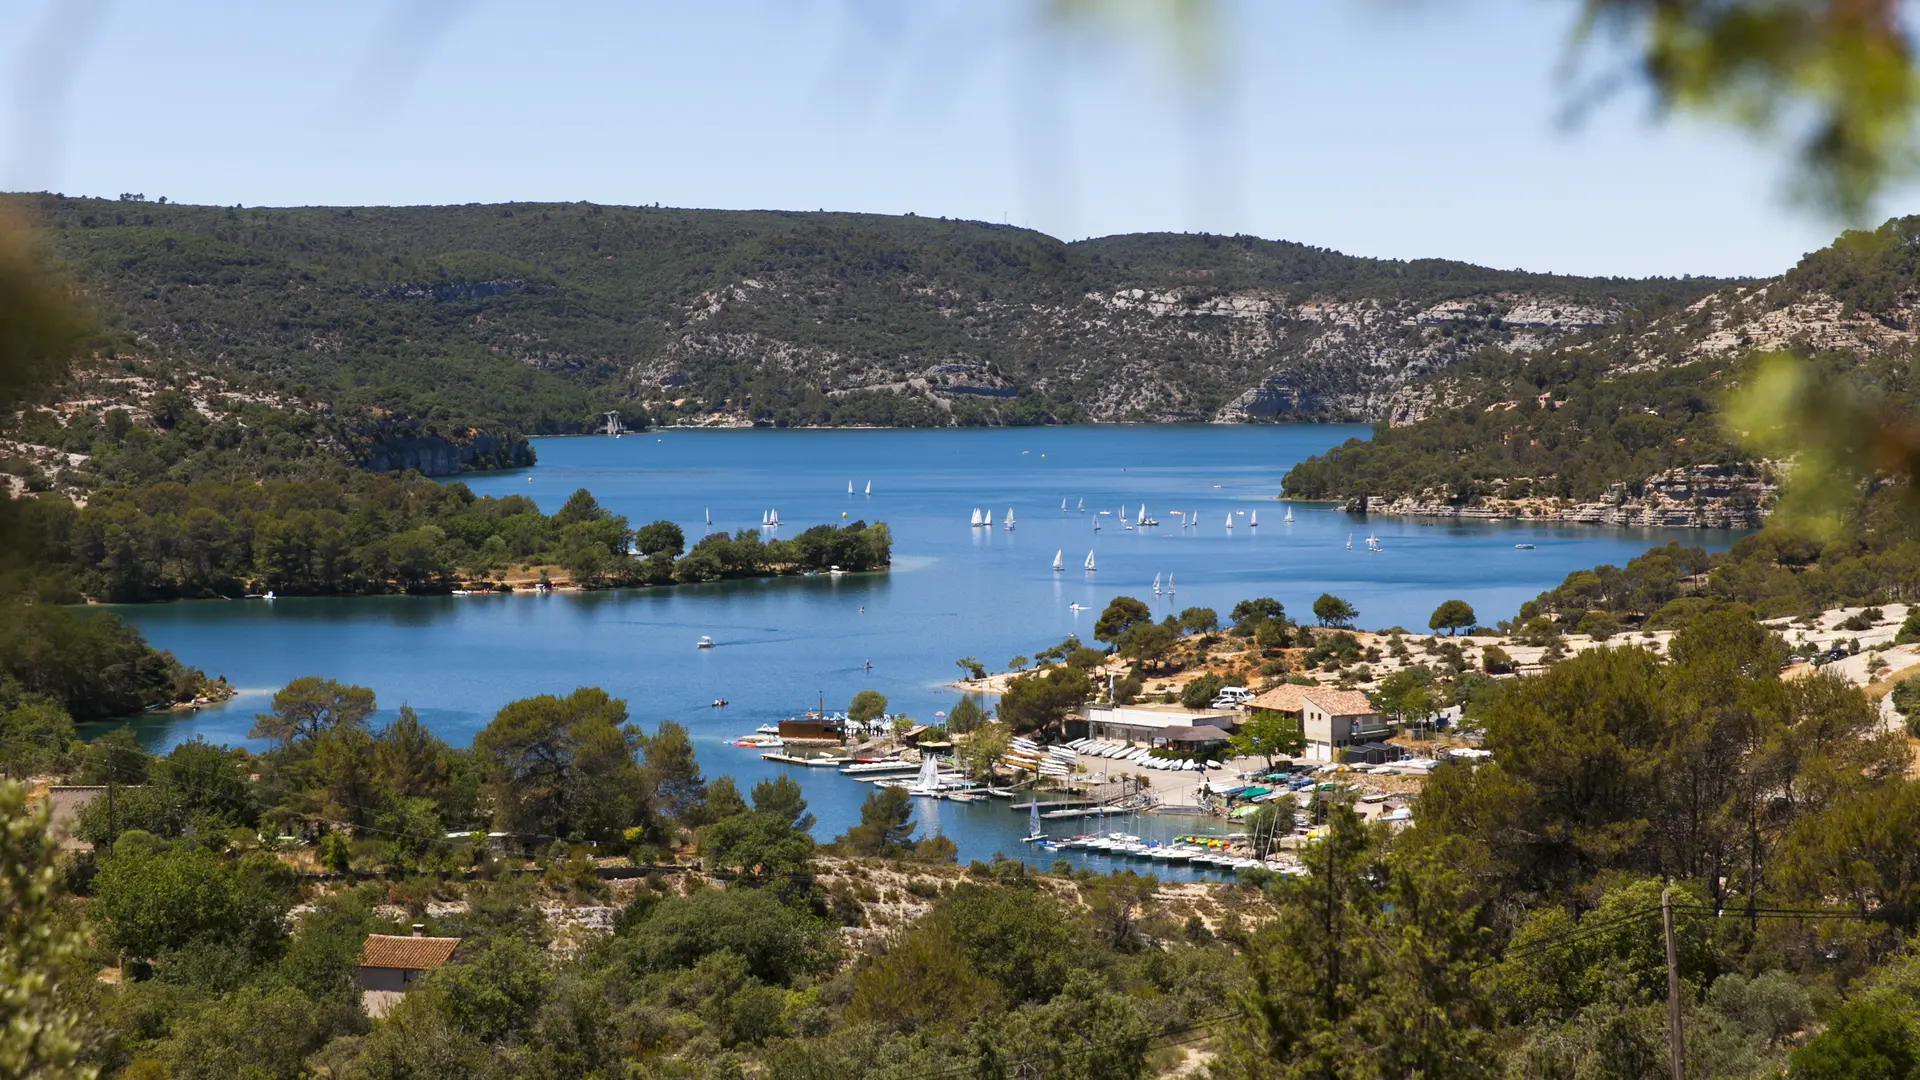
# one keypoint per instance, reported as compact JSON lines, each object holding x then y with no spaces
{"x":1096,"y":524}
{"x":988,"y":520}
{"x":1156,"y":584}
{"x":1034,"y":834}
{"x":928,"y":782}
{"x":869,"y":487}
{"x":1083,"y":506}
{"x":1289,"y":516}
{"x":1229,"y":519}
{"x":1063,"y":504}
{"x":1009,"y":519}
{"x":849,"y":487}
{"x":1169,"y":584}
{"x":766,"y":518}
{"x":1253,"y":520}
{"x":1349,"y":541}
{"x":976,"y":517}
{"x":709,"y":515}
{"x":1373,"y":542}
{"x":1089,"y":562}
{"x":773,"y":518}
{"x":1059,"y":564}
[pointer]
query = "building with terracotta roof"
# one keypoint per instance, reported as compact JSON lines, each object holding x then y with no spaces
{"x":1330,"y":720}
{"x":391,"y":964}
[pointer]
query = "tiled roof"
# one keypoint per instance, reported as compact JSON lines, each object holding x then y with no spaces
{"x":406,"y":953}
{"x":1339,"y":702}
{"x":1287,"y":697}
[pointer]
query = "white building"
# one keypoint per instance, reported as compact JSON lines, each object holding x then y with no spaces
{"x":1153,"y":724}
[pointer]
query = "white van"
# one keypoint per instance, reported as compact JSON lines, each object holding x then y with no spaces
{"x":1232,"y":697}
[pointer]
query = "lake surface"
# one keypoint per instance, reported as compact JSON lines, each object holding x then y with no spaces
{"x":954,"y":590}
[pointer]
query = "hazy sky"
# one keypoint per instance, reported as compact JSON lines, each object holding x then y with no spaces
{"x":1396,"y":129}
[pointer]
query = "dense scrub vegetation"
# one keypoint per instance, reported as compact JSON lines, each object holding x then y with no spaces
{"x":1566,"y":430}
{"x":361,"y":533}
{"x":1618,"y":405}
{"x":1514,"y":930}
{"x":535,"y":317}
{"x":1781,"y":570}
{"x":90,"y":665}
{"x":186,"y":433}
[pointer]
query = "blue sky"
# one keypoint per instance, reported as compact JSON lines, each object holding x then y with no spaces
{"x":1393,"y":128}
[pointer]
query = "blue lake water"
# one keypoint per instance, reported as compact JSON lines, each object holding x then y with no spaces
{"x":954,"y":590}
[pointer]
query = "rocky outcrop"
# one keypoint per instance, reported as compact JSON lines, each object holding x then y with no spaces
{"x":438,"y":455}
{"x":1696,"y":497}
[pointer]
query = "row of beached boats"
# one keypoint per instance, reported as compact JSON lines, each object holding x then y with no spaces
{"x":1193,"y":851}
{"x":1133,"y":755}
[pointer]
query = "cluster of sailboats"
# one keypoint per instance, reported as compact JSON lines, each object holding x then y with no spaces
{"x":1060,"y":561}
{"x":1373,"y":542}
{"x":1189,"y":519}
{"x":850,"y":487}
{"x":985,"y":521}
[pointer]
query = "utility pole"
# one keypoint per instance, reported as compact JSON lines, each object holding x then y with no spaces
{"x":1676,"y":1044}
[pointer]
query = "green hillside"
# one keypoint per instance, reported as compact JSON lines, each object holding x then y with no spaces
{"x":536,"y":317}
{"x":1618,"y":407}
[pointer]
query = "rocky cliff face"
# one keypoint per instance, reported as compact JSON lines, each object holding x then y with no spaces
{"x":1183,"y":354}
{"x":1698,"y":497}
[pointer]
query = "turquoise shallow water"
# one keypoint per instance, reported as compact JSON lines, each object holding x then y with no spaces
{"x":954,"y":590}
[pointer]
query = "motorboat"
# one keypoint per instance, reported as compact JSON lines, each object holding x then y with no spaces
{"x":705,"y":642}
{"x":719,"y":703}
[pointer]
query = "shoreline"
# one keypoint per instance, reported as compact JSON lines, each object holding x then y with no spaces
{"x":517,"y":588}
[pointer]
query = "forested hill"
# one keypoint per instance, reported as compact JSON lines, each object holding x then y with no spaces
{"x":535,"y":317}
{"x":1624,"y":425}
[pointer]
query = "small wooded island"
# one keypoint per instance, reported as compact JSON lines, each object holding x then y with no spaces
{"x":383,"y":533}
